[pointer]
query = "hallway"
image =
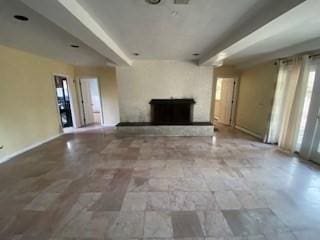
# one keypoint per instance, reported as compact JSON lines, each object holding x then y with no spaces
{"x":95,"y":185}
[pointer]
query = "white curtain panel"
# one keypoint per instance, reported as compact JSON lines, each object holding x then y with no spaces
{"x":288,"y":103}
{"x":277,"y":109}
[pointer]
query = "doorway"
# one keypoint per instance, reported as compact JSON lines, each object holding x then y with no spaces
{"x":315,"y":147}
{"x":90,"y":101}
{"x":310,"y":146}
{"x":224,"y":100}
{"x":63,"y":100}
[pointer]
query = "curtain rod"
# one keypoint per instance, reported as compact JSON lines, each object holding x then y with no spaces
{"x":314,"y":55}
{"x":290,"y":59}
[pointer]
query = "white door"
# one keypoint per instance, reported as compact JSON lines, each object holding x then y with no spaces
{"x":86,"y":101}
{"x":224,"y":100}
{"x":315,"y":151}
{"x":310,"y":147}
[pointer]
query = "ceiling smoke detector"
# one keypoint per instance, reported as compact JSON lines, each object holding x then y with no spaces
{"x":153,"y":2}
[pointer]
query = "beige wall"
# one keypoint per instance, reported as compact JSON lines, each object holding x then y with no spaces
{"x":146,"y":80}
{"x":226,"y":72}
{"x":256,"y":92}
{"x":108,"y":88}
{"x":28,"y":110}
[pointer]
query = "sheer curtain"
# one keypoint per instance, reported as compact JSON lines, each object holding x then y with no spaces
{"x":288,"y":103}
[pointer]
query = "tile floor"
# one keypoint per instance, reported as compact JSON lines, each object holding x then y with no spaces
{"x":93,"y":185}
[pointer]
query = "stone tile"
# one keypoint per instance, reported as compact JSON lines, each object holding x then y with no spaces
{"x":77,"y":220}
{"x":214,"y":224}
{"x":188,"y":184}
{"x":19,"y":224}
{"x":187,"y":201}
{"x":139,"y":184}
{"x":134,"y":202}
{"x":58,"y":186}
{"x":280,"y":236}
{"x":217,"y":184}
{"x":249,"y":200}
{"x":158,"y":185}
{"x":165,"y":172}
{"x":254,"y":222}
{"x":104,"y":177}
{"x":307,"y":234}
{"x":109,"y":201}
{"x":227,"y":200}
{"x":126,"y":225}
{"x":42,"y":202}
{"x":158,"y":201}
{"x":158,"y":224}
{"x":192,"y":172}
{"x":186,"y":224}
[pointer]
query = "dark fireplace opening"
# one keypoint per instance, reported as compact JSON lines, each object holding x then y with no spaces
{"x":172,"y":111}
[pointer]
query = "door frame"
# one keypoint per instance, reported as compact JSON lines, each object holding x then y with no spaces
{"x":234,"y":97}
{"x":312,"y":124}
{"x":72,"y":100}
{"x":82,"y":114}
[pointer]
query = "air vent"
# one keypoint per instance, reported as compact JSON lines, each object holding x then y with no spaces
{"x":181,"y":1}
{"x":153,"y":2}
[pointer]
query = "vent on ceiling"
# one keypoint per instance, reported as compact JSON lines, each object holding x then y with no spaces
{"x":181,"y":1}
{"x":153,"y":2}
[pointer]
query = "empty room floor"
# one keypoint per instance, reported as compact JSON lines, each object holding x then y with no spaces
{"x":95,"y":185}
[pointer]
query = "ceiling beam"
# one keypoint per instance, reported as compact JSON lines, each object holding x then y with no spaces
{"x":249,"y":31}
{"x":73,"y":18}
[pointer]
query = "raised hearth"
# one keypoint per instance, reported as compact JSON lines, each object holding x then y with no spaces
{"x":169,"y":117}
{"x":147,"y":129}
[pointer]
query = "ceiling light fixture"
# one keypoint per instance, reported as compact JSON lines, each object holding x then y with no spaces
{"x":21,"y":18}
{"x":136,"y":54}
{"x":74,"y":46}
{"x":153,"y":2}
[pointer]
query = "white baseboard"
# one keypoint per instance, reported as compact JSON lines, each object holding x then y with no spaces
{"x":109,"y":125}
{"x":249,"y":132}
{"x":6,"y":158}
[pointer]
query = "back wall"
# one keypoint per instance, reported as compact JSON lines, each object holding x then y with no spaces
{"x":145,"y":80}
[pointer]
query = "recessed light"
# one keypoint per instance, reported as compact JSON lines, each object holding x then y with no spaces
{"x":74,"y":46}
{"x":153,"y":2}
{"x":196,"y":54}
{"x":136,"y":54}
{"x":21,"y":18}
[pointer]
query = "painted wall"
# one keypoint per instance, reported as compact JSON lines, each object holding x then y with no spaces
{"x":28,"y":110}
{"x":256,"y":91}
{"x":146,"y":80}
{"x":108,"y":88}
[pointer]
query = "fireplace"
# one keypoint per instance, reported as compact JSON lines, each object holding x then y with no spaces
{"x":172,"y":111}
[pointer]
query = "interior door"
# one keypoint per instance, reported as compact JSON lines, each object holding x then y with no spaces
{"x":63,"y":99}
{"x":315,"y":151}
{"x":310,"y":147}
{"x":86,"y":101}
{"x":226,"y":100}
